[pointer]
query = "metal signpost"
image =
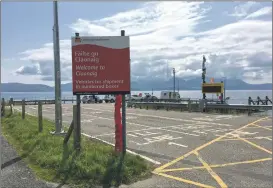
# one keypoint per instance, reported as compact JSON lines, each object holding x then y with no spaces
{"x":57,"y":71}
{"x":225,"y":81}
{"x":173,"y":80}
{"x":204,"y":74}
{"x":123,"y":107}
{"x":101,"y":66}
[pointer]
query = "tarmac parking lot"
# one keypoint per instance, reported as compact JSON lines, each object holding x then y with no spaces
{"x":191,"y":149}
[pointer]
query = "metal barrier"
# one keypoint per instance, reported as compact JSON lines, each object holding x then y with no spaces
{"x":259,"y":101}
{"x":197,"y":107}
{"x":43,"y":101}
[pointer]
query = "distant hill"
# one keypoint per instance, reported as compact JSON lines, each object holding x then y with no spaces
{"x":142,"y":85}
{"x":19,"y":87}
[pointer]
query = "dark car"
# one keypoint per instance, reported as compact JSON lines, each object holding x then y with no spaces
{"x":91,"y":99}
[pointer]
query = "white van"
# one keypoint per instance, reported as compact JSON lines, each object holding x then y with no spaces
{"x":169,"y":95}
{"x":109,"y":98}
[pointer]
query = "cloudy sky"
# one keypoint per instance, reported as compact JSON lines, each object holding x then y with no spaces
{"x":235,"y":37}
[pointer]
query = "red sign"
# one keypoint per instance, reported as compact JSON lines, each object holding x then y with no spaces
{"x":101,"y":65}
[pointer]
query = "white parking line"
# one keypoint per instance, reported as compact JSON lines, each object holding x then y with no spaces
{"x":132,"y":135}
{"x":161,"y":128}
{"x":262,"y":137}
{"x":155,"y":139}
{"x":157,"y":128}
{"x":163,"y":117}
{"x":129,"y":151}
{"x":179,"y":132}
{"x":151,"y":128}
{"x":172,"y":143}
{"x":94,"y":116}
{"x":147,"y":133}
{"x":133,"y":131}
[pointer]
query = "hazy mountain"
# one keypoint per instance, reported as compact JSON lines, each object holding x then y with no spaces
{"x":156,"y":84}
{"x":19,"y":87}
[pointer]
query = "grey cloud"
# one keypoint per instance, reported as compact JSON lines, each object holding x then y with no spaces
{"x":257,"y":75}
{"x":262,"y":60}
{"x":194,"y":65}
{"x":52,"y":78}
{"x":156,"y":68}
{"x":45,"y":69}
{"x":28,"y":70}
{"x":48,"y":78}
{"x":240,"y":67}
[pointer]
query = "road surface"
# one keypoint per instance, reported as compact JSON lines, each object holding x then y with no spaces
{"x":189,"y":149}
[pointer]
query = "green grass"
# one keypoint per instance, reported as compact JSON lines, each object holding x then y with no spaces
{"x":45,"y":154}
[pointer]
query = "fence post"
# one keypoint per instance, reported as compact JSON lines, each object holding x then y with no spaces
{"x":77,"y":144}
{"x":258,"y":100}
{"x":23,"y":109}
{"x":40,"y":116}
{"x":189,"y":105}
{"x":69,"y":132}
{"x":249,"y":100}
{"x":3,"y":107}
{"x":11,"y":101}
{"x":11,"y":106}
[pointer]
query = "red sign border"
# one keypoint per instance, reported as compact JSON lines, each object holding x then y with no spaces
{"x":103,"y":92}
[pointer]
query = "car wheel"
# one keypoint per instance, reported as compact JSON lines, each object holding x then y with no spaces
{"x":112,"y":100}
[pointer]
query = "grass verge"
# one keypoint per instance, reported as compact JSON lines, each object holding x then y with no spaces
{"x":45,"y":154}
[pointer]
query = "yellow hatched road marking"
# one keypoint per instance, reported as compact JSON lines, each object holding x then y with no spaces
{"x":267,"y":126}
{"x":262,"y":127}
{"x":255,"y":138}
{"x":201,"y":147}
{"x":185,"y":180}
{"x":217,"y":165}
{"x":212,"y":173}
{"x":255,"y":145}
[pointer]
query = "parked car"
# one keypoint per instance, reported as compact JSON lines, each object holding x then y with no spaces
{"x":127,"y":97}
{"x":85,"y":99}
{"x":169,"y":95}
{"x":109,"y":98}
{"x":136,"y":97}
{"x":149,"y":97}
{"x":91,"y":99}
